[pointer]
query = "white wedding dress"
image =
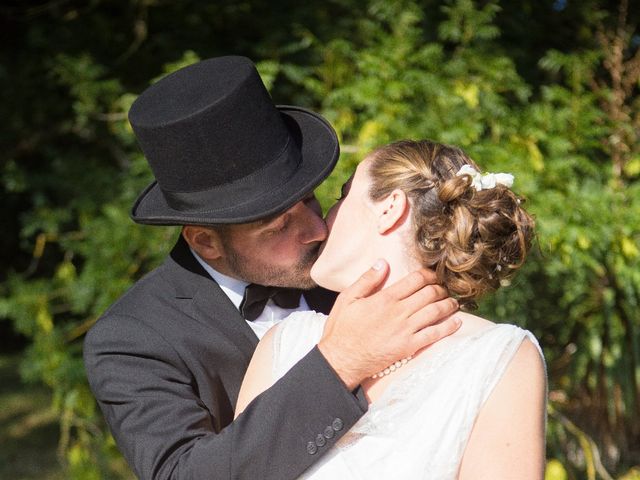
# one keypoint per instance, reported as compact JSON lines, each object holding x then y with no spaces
{"x":418,"y":428}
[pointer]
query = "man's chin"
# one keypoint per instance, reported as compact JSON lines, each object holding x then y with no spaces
{"x":310,"y":285}
{"x":305,"y":278}
{"x":300,"y":276}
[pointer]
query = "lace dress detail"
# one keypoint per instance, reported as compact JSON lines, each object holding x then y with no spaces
{"x":418,"y":428}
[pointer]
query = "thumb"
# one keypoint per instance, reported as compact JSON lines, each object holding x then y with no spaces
{"x":369,"y":282}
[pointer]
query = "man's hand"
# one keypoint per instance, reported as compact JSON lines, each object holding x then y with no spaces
{"x":367,"y":330}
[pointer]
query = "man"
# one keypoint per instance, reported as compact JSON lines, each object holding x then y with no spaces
{"x":166,"y":361}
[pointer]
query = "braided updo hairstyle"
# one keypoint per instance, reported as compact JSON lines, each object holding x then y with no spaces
{"x":472,"y":239}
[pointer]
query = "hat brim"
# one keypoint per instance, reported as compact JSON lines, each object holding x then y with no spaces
{"x":319,"y":153}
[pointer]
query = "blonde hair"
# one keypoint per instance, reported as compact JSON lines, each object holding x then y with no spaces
{"x":471,"y":239}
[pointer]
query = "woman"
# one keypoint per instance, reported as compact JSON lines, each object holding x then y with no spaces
{"x":471,"y":406}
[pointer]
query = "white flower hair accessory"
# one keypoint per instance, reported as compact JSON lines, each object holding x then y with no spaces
{"x":486,"y":181}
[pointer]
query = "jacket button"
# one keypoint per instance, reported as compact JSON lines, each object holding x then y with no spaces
{"x":337,"y":424}
{"x":329,"y":432}
{"x":311,"y":448}
{"x":320,"y":440}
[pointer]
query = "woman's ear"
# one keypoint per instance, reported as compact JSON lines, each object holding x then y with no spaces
{"x":204,"y":241}
{"x":392,"y":211}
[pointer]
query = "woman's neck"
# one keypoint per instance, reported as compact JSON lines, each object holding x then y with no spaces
{"x":401,"y":262}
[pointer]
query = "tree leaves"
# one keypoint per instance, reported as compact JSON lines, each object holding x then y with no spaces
{"x":539,"y":100}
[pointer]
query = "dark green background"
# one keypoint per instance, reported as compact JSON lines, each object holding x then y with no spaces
{"x":547,"y":90}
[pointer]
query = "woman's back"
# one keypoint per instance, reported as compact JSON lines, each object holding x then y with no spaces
{"x":418,"y":427}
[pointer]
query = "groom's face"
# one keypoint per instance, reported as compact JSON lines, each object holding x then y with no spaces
{"x":277,"y":251}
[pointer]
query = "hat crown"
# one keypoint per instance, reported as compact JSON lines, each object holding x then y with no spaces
{"x":221,"y":151}
{"x":209,"y":124}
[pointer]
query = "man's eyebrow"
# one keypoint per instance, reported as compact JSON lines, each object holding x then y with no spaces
{"x":270,"y":219}
{"x":267,"y":220}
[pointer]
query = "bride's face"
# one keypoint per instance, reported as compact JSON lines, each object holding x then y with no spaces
{"x":348,"y":251}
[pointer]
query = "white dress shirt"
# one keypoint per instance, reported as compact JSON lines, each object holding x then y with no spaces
{"x":234,"y":289}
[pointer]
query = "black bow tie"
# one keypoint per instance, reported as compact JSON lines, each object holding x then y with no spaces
{"x":256,"y":297}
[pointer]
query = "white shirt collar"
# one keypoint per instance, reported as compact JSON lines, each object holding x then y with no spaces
{"x":232,"y":287}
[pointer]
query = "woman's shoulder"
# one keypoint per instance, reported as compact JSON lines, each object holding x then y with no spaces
{"x":472,"y":325}
{"x":525,"y":349}
{"x":294,"y":337}
{"x":475,"y":326}
{"x":299,"y":327}
{"x":482,"y":338}
{"x":304,"y":323}
{"x":500,"y":352}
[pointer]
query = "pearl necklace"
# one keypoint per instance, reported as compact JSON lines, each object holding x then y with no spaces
{"x":392,"y":368}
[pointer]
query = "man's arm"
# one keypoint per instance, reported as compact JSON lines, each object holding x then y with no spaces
{"x":166,"y":431}
{"x":148,"y":394}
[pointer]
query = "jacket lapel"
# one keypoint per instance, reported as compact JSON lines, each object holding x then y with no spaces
{"x":203,"y":299}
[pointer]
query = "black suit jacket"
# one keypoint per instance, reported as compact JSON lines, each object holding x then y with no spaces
{"x":166,"y":362}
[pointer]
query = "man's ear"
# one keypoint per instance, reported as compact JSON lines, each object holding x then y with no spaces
{"x":392,"y":211}
{"x":204,"y":241}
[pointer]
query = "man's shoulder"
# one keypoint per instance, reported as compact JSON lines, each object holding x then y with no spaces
{"x":133,"y":305}
{"x":155,"y":285}
{"x":178,"y":277}
{"x":152,"y":296}
{"x":175,"y":303}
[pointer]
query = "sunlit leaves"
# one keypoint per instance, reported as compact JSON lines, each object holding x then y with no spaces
{"x":379,"y":71}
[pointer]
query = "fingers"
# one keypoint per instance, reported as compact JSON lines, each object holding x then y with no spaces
{"x":424,"y":297}
{"x":411,"y":283}
{"x":369,"y":282}
{"x":431,"y":334}
{"x":433,"y":314}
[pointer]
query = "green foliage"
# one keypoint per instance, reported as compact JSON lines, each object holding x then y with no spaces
{"x":580,"y":291}
{"x":379,"y":71}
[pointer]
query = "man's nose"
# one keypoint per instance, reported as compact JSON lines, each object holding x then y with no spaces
{"x":313,"y":227}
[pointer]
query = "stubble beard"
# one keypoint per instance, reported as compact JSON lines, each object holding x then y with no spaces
{"x":252,"y":271}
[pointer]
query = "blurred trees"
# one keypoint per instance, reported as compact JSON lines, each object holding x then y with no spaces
{"x":545,"y":90}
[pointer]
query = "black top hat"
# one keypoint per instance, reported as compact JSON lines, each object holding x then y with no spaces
{"x":221,"y":151}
